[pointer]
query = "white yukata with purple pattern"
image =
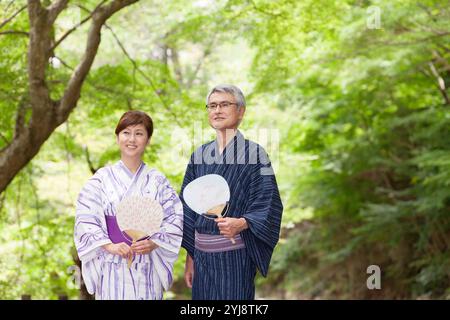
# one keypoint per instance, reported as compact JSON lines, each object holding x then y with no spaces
{"x":107,"y":275}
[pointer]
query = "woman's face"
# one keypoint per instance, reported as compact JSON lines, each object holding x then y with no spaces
{"x":132,"y":141}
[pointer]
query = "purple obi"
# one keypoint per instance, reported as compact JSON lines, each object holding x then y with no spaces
{"x":217,"y":242}
{"x":114,"y":232}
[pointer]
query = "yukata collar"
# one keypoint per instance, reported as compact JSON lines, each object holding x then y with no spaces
{"x":237,"y":135}
{"x":128,"y":171}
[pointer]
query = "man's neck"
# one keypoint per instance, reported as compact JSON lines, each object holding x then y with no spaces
{"x":132,"y":163}
{"x":224,"y":137}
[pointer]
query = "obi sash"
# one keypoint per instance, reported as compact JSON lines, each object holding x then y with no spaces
{"x":114,"y":232}
{"x":217,"y":242}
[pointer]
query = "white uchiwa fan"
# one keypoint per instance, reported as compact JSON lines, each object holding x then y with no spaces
{"x":208,"y":195}
{"x":139,"y":217}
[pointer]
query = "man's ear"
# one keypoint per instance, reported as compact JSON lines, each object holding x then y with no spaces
{"x":148,"y":141}
{"x":241,"y":112}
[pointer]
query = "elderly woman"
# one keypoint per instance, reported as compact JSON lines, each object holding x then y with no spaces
{"x":102,"y":248}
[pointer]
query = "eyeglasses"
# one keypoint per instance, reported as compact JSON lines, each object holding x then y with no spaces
{"x":224,"y":105}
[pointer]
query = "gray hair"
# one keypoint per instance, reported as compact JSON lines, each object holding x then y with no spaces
{"x":229,"y":88}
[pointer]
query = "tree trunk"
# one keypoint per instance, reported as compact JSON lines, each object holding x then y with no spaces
{"x":48,"y":114}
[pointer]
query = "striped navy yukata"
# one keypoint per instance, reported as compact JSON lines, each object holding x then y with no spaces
{"x":229,"y":274}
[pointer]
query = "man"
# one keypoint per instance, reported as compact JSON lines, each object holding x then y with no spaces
{"x":216,"y":268}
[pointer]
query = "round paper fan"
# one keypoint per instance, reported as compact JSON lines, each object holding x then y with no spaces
{"x":139,"y":216}
{"x":206,"y":193}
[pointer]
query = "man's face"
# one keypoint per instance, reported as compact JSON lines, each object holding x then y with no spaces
{"x":222,"y":118}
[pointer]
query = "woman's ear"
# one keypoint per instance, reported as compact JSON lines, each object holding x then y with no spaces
{"x":148,"y":141}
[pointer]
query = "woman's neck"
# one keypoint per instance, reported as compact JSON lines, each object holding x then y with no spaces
{"x":131,"y":163}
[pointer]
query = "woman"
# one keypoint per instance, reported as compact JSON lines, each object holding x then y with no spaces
{"x":102,"y":248}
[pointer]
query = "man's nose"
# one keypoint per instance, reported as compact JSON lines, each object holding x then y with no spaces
{"x":218,"y":109}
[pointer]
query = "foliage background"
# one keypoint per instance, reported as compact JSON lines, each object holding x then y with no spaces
{"x":354,"y":112}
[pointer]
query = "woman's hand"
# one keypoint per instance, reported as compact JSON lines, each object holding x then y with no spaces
{"x":121,"y":249}
{"x":143,"y":246}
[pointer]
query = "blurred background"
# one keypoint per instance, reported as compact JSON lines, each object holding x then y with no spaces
{"x":349,"y":98}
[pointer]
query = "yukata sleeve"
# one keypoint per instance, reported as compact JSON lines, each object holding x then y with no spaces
{"x":90,"y":232}
{"x":169,"y":237}
{"x":189,"y":215}
{"x":263,"y":214}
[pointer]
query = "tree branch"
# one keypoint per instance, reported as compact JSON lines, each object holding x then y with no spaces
{"x":412,"y":42}
{"x":9,"y":4}
{"x":377,"y":45}
{"x":13,"y":16}
{"x":65,"y":64}
{"x":427,"y":11}
{"x":176,"y":65}
{"x":269,"y":13}
{"x":89,"y":161}
{"x":48,"y":114}
{"x":206,"y":53}
{"x":446,"y":49}
{"x":443,"y":61}
{"x":65,"y":35}
{"x":4,"y":138}
{"x":427,"y":28}
{"x":92,"y":84}
{"x":441,"y":82}
{"x":20,"y":117}
{"x":55,"y":9}
{"x":38,"y":57}
{"x":72,"y":93}
{"x":146,"y":77}
{"x":22,"y":33}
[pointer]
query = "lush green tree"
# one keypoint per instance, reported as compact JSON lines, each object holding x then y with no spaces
{"x":370,"y":95}
{"x":350,"y":98}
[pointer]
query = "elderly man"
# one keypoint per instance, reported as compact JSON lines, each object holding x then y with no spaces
{"x":216,"y":268}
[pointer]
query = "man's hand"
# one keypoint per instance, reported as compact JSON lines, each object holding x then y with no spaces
{"x":229,"y":227}
{"x":143,"y":246}
{"x":189,"y":271}
{"x":121,"y":249}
